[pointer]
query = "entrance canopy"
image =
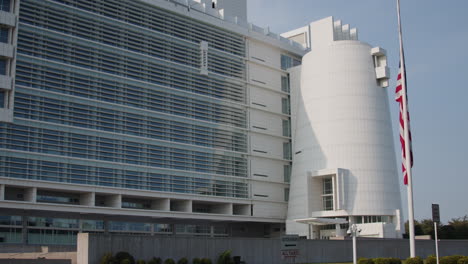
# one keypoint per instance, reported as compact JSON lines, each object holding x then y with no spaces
{"x":322,"y":221}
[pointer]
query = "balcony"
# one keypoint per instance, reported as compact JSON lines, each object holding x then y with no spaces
{"x":5,"y":82}
{"x":7,"y":19}
{"x":6,"y":50}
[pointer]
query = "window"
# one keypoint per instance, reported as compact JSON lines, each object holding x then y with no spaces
{"x":287,"y":173}
{"x":3,"y":66}
{"x":44,"y":197}
{"x":5,"y":5}
{"x":327,"y":187}
{"x":327,"y":203}
{"x":327,"y":194}
{"x":162,"y":228}
{"x":286,"y":109}
{"x":285,"y":84}
{"x":288,"y":62}
{"x":4,"y":35}
{"x":286,"y":194}
{"x":92,"y":224}
{"x":287,"y":128}
{"x":371,"y":219}
{"x":287,"y":150}
{"x":2,"y":99}
{"x":12,"y":220}
{"x":285,"y":62}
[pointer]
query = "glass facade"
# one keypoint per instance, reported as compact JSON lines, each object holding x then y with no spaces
{"x":63,"y":231}
{"x":101,"y":84}
{"x":119,"y":94}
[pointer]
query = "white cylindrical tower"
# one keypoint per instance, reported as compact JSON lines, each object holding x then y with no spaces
{"x":344,"y":163}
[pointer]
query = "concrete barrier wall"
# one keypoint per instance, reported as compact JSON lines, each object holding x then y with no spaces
{"x":91,"y":247}
{"x":34,"y":261}
{"x":30,"y":254}
{"x":15,"y":248}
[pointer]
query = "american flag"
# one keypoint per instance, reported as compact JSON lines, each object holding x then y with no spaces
{"x":400,"y":92}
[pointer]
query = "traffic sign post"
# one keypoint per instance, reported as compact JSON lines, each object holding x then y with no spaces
{"x":435,"y":213}
{"x":436,"y":220}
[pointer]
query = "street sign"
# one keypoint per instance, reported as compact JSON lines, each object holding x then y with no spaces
{"x":292,"y":253}
{"x":289,"y":247}
{"x":435,"y":213}
{"x":289,"y":242}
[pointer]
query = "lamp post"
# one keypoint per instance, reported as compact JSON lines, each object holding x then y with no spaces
{"x":354,"y":232}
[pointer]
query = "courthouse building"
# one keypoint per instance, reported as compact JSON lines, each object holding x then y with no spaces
{"x":178,"y":117}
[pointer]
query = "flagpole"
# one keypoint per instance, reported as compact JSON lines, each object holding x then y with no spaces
{"x":407,"y":142}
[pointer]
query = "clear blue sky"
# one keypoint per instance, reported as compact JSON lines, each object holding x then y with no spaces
{"x":435,"y":36}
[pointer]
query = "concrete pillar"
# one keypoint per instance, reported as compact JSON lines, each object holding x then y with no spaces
{"x":188,"y":206}
{"x":241,"y":209}
{"x":82,"y":248}
{"x":106,"y":226}
{"x":2,"y":192}
{"x":30,"y":194}
{"x":223,"y":209}
{"x":181,"y":205}
{"x":161,"y":204}
{"x":87,"y":199}
{"x":114,"y":200}
{"x":212,"y":231}
{"x":24,"y":230}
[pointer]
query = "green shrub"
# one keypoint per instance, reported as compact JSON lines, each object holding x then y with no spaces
{"x":125,"y":261}
{"x":196,"y":261}
{"x":431,"y":260}
{"x":182,"y":261}
{"x":169,"y":261}
{"x":140,"y":261}
{"x":415,"y":260}
{"x":108,"y":259}
{"x":365,"y":261}
{"x":155,"y":261}
{"x":395,"y":261}
{"x":206,"y":261}
{"x":382,"y":261}
{"x":225,"y":258}
{"x":122,"y":255}
{"x":450,"y":259}
{"x":463,"y":260}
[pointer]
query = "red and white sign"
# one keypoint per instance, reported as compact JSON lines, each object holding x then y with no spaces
{"x":290,"y":253}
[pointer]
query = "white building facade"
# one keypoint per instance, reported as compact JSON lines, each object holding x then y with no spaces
{"x":171,"y":117}
{"x":344,"y":162}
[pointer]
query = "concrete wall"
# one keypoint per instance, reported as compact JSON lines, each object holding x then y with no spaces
{"x":266,"y":140}
{"x":12,"y":248}
{"x":35,"y":261}
{"x":255,"y":250}
{"x":25,"y":254}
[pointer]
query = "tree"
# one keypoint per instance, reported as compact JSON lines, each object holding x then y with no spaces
{"x":457,"y":228}
{"x":418,"y":231}
{"x":460,"y":226}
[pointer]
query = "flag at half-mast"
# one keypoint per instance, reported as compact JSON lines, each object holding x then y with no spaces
{"x":400,"y":92}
